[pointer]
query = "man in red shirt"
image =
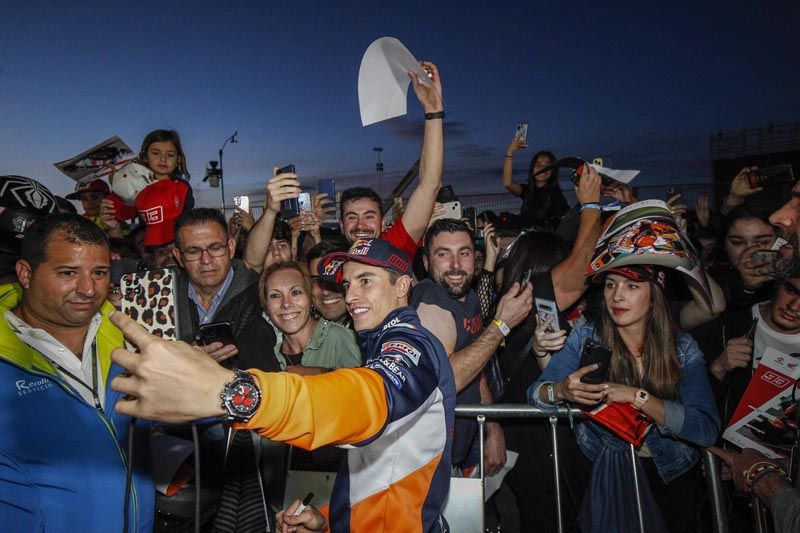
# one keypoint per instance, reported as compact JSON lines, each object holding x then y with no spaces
{"x":361,"y":209}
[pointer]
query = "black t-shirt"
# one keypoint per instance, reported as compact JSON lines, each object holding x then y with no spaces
{"x":469,"y":323}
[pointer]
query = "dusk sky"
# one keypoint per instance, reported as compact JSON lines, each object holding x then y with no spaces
{"x":640,"y":83}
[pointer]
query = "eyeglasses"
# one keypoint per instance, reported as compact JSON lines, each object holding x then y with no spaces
{"x":215,"y":250}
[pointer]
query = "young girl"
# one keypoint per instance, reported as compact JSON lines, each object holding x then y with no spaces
{"x":661,"y":372}
{"x":160,"y":203}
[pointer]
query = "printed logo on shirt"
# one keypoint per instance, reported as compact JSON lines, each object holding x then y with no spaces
{"x":154,"y":215}
{"x":474,"y":324}
{"x":25,"y":387}
{"x":390,"y":368}
{"x":396,"y":322}
{"x":403,"y":348}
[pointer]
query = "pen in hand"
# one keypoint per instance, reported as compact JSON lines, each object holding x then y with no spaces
{"x":302,"y":506}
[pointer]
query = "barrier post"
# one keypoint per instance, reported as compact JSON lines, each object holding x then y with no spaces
{"x":556,"y":472}
{"x":636,"y":488}
{"x":481,"y":411}
{"x":715,"y":494}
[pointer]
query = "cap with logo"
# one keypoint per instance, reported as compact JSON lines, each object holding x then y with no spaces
{"x":22,"y":201}
{"x":375,"y":252}
{"x":159,"y":205}
{"x":90,"y":186}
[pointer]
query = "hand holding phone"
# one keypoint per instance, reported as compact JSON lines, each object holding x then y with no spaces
{"x":220,"y":332}
{"x":594,"y":353}
{"x":290,"y":207}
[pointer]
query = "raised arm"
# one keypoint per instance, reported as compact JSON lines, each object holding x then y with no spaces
{"x":508,"y":167}
{"x":280,"y":187}
{"x":569,"y":279}
{"x":420,"y":204}
{"x":697,"y":312}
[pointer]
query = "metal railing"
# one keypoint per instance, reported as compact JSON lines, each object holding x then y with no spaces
{"x":484,"y":411}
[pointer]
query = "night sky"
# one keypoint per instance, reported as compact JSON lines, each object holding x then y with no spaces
{"x":642,"y":84}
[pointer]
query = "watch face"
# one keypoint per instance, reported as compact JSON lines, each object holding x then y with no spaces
{"x":244,"y":398}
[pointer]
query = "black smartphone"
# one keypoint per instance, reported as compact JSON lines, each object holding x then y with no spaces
{"x":472,"y":219}
{"x":593,"y":352}
{"x":751,"y":333}
{"x":446,"y":195}
{"x":289,"y":208}
{"x":216,"y":332}
{"x":774,"y":175}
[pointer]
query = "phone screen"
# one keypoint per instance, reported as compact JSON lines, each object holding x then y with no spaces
{"x":522,"y":131}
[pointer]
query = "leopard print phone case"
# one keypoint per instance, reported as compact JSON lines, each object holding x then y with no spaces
{"x":148,"y":297}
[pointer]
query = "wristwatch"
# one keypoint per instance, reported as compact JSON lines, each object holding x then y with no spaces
{"x":240,"y":397}
{"x":640,"y":398}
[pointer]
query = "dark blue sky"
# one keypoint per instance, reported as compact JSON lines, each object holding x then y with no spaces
{"x":640,"y":83}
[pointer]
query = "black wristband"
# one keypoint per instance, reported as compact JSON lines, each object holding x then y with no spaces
{"x":432,"y":116}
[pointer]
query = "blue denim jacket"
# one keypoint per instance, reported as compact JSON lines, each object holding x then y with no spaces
{"x":692,"y":419}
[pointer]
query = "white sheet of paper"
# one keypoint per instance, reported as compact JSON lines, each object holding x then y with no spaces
{"x":168,"y":454}
{"x":623,"y":176}
{"x":383,"y":80}
{"x":492,"y":483}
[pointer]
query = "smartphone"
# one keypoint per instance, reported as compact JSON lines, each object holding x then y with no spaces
{"x":524,"y":279}
{"x":593,"y":352}
{"x":452,"y":210}
{"x":216,"y":332}
{"x":470,"y":213}
{"x":242,"y":202}
{"x":773,"y":175}
{"x":751,"y":333}
{"x":328,"y":186}
{"x":304,"y":201}
{"x":546,"y":309}
{"x":446,"y":195}
{"x":522,"y":131}
{"x":289,"y":208}
{"x":148,"y":297}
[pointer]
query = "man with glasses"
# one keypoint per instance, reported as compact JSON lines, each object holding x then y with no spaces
{"x":218,"y":288}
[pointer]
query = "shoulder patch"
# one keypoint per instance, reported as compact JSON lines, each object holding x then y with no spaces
{"x":401,"y":348}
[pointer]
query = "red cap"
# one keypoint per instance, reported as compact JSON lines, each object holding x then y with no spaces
{"x":375,"y":252}
{"x":640,"y":273}
{"x":159,"y":205}
{"x":92,"y":186}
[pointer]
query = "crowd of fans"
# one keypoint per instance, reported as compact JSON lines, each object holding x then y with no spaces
{"x":680,"y":359}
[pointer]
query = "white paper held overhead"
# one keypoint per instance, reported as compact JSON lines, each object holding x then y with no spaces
{"x":383,"y":80}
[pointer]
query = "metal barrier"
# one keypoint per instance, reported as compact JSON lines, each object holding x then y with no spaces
{"x":483,"y":411}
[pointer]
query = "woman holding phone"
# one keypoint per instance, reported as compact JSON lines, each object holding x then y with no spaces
{"x":543,"y":203}
{"x":661,"y":372}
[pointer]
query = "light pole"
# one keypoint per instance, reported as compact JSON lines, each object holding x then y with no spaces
{"x":214,"y":174}
{"x":379,"y":168}
{"x":232,"y":139}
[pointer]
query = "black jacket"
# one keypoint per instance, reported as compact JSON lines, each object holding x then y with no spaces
{"x":254,"y":336}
